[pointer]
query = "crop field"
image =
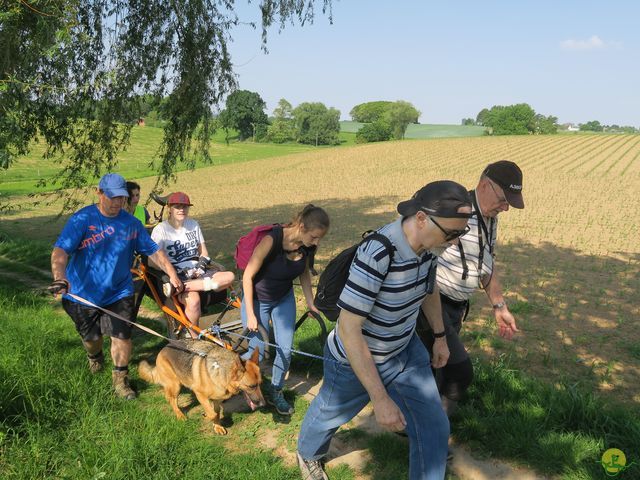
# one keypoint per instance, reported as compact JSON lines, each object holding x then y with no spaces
{"x":568,"y":262}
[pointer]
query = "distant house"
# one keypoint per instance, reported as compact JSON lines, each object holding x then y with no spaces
{"x":573,"y":128}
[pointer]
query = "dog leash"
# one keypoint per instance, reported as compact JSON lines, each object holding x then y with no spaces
{"x":174,"y":344}
{"x":216,"y":329}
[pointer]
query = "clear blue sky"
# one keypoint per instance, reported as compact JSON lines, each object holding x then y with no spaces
{"x":577,"y":60}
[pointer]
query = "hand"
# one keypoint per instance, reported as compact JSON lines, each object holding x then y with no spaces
{"x":176,"y":282}
{"x":440,"y":353}
{"x":59,"y":287}
{"x":313,"y":308}
{"x":388,"y":414}
{"x":252,"y":322}
{"x":506,"y":322}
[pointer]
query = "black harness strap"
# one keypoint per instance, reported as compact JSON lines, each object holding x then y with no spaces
{"x":488,"y":234}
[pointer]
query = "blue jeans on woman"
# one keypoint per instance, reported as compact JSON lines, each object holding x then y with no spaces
{"x":283,"y":317}
{"x":409,"y":382}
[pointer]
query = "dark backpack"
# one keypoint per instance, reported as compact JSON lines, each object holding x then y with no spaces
{"x":334,"y":277}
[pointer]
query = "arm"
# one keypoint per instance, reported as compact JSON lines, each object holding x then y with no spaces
{"x":305,"y":283}
{"x":160,"y":259}
{"x":253,"y":267}
{"x":388,"y":415}
{"x":504,"y":319}
{"x":59,"y":259}
{"x":202,"y":248}
{"x":433,"y":311}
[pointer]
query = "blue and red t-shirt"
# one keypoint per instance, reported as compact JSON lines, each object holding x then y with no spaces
{"x":101,"y":251}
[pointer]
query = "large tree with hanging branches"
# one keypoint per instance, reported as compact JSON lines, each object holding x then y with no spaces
{"x":73,"y":72}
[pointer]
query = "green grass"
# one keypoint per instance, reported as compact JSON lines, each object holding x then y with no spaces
{"x":58,"y":421}
{"x":22,"y":176}
{"x":420,"y":131}
{"x":560,"y":430}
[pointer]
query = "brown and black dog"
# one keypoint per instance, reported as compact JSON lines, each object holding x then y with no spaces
{"x":211,"y":372}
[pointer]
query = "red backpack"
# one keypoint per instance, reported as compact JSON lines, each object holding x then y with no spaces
{"x":247,"y":244}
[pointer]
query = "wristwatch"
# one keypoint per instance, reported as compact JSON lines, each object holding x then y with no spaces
{"x":440,"y":334}
{"x":499,"y":305}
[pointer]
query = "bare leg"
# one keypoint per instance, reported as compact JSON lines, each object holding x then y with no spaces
{"x":120,"y":351}
{"x":92,"y":346}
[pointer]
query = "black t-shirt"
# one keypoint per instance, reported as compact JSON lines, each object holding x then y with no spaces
{"x":274,"y":280}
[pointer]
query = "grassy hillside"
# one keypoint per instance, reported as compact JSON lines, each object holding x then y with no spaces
{"x":422,"y":131}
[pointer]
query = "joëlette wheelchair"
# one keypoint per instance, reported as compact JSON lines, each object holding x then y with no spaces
{"x":220,"y":321}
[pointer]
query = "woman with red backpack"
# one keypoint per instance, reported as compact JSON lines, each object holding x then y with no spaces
{"x":283,"y":254}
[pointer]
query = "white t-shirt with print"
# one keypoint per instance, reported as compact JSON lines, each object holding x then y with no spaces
{"x":180,"y":245}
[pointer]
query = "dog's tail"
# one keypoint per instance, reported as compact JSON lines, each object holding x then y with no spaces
{"x":147,"y":372}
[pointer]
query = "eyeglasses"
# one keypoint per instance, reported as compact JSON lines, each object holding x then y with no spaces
{"x":450,"y":234}
{"x":501,"y":198}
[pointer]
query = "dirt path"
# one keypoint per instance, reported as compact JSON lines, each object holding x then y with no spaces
{"x":464,"y":465}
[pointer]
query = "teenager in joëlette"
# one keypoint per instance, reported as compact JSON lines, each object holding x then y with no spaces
{"x":180,"y":237}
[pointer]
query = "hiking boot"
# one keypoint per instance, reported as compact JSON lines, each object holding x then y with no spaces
{"x":96,"y":362}
{"x":276,"y":398}
{"x":311,"y":469}
{"x":121,"y":385}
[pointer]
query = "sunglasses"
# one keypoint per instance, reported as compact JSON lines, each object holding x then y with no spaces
{"x":501,"y":198}
{"x":450,"y":234}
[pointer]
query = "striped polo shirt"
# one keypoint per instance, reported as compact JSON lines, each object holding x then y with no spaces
{"x":390,"y":306}
{"x":450,"y":268}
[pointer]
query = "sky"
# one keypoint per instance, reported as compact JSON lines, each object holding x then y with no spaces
{"x":576,"y":60}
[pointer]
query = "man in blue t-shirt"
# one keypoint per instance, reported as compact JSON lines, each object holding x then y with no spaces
{"x":91,"y":260}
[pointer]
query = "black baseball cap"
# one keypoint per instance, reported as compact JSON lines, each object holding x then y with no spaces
{"x":442,"y":198}
{"x":508,"y":176}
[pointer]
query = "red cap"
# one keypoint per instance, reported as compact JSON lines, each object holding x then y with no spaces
{"x":179,"y":198}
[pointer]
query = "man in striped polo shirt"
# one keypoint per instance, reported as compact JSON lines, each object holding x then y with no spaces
{"x":373,"y":353}
{"x":461,"y":271}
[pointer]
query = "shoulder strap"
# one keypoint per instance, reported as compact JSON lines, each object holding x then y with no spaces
{"x":278,"y":235}
{"x":384,"y":240}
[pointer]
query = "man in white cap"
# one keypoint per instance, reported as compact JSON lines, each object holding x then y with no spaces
{"x":467,"y":266}
{"x":91,"y":260}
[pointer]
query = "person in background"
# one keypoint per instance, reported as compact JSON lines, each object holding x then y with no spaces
{"x":132,"y":205}
{"x":468,"y":266}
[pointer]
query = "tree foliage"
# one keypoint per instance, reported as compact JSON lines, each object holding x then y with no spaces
{"x":244,"y":112}
{"x":378,"y":131}
{"x":282,"y":128}
{"x":370,"y":111}
{"x":72,"y":73}
{"x":399,"y":115}
{"x":519,"y":119}
{"x":592,"y":126}
{"x":316,"y":124}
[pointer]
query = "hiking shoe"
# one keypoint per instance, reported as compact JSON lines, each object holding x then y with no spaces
{"x":96,"y":362}
{"x":121,"y":387}
{"x":311,"y":469}
{"x":276,"y":398}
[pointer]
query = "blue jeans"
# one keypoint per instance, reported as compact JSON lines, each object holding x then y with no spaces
{"x":410,"y":384}
{"x":283,"y":317}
